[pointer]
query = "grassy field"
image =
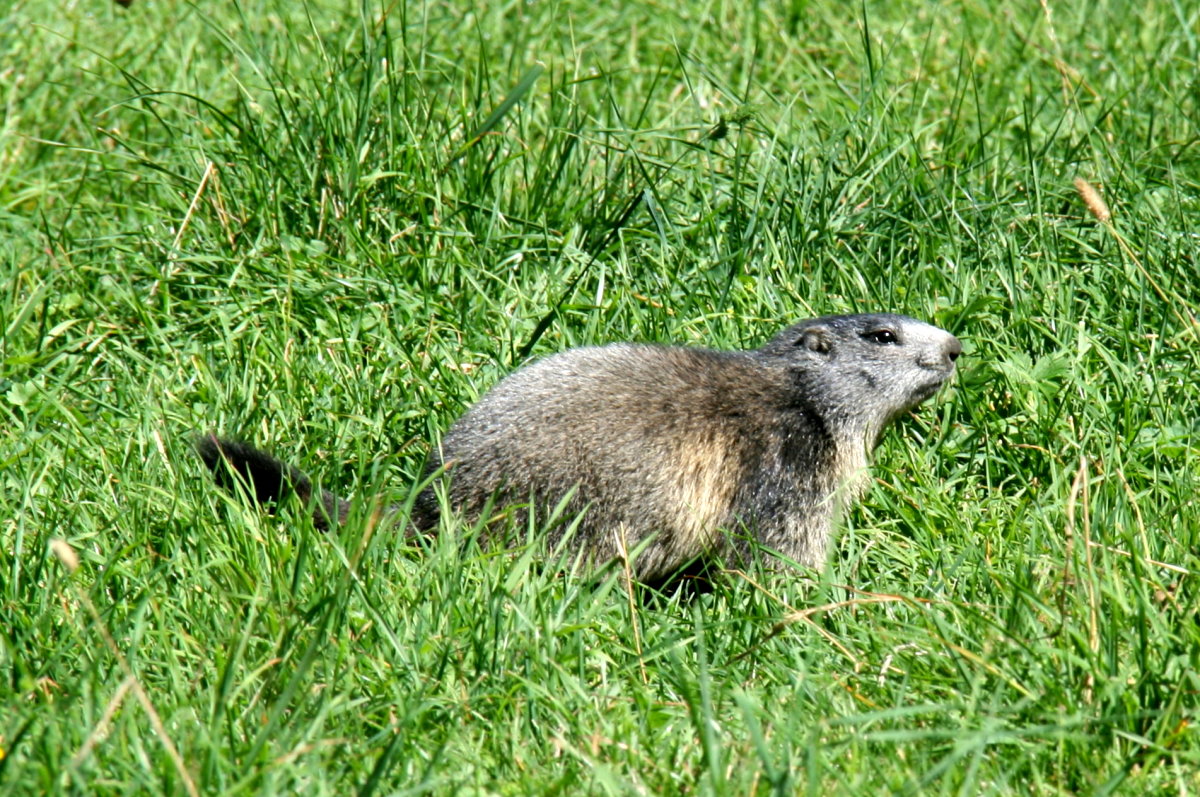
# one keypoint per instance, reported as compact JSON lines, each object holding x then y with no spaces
{"x":327,"y":230}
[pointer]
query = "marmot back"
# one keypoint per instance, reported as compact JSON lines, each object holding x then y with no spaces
{"x":671,"y":446}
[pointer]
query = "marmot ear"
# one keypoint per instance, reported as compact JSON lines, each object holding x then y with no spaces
{"x":816,"y":339}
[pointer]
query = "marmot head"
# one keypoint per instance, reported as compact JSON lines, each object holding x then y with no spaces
{"x":866,"y":369}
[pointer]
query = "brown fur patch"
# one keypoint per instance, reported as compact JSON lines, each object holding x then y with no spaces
{"x":702,"y":490}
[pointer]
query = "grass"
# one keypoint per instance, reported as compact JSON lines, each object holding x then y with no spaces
{"x":328,"y":231}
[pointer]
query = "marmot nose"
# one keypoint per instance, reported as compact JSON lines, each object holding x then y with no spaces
{"x":953,"y":348}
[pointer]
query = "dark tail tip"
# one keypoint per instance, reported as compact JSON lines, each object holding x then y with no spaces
{"x":237,"y":466}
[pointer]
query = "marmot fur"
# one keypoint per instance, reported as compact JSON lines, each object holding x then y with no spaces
{"x":664,"y":448}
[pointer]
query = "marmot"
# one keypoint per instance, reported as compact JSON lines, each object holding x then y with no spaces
{"x":665,"y":448}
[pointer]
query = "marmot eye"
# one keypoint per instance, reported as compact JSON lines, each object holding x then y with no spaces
{"x":882,"y":336}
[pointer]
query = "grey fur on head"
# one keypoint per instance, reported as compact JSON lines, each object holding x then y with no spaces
{"x":668,"y":448}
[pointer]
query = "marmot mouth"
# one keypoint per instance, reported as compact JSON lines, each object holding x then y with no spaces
{"x":925,"y":391}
